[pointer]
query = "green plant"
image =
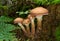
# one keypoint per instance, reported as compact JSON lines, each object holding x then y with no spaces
{"x":22,"y":12}
{"x":57,"y":33}
{"x":5,"y":33}
{"x":46,"y":2}
{"x":5,"y":29}
{"x":40,"y":2}
{"x":56,"y":2}
{"x":5,"y":19}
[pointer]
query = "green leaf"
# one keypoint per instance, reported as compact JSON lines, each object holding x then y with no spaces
{"x":26,"y":12}
{"x":22,"y":12}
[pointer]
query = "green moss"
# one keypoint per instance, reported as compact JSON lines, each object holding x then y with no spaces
{"x":57,"y":33}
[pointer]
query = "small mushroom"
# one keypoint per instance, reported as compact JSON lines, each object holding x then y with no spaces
{"x":32,"y":24}
{"x":26,"y":22}
{"x":20,"y":21}
{"x":38,"y":12}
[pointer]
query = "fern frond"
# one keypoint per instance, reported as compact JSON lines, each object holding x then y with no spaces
{"x":5,"y":33}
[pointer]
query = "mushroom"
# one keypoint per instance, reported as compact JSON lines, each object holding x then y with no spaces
{"x":20,"y":21}
{"x":32,"y":24}
{"x":38,"y":12}
{"x":26,"y":22}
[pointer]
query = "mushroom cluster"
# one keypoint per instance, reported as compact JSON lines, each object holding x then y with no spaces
{"x":38,"y":13}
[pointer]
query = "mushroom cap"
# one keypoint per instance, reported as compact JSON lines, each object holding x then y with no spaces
{"x":39,"y":11}
{"x":26,"y":21}
{"x":30,"y":16}
{"x":18,"y":20}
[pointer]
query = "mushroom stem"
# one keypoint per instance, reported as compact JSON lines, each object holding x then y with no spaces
{"x":39,"y":20}
{"x":27,"y":28}
{"x":22,"y":27}
{"x":32,"y":26}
